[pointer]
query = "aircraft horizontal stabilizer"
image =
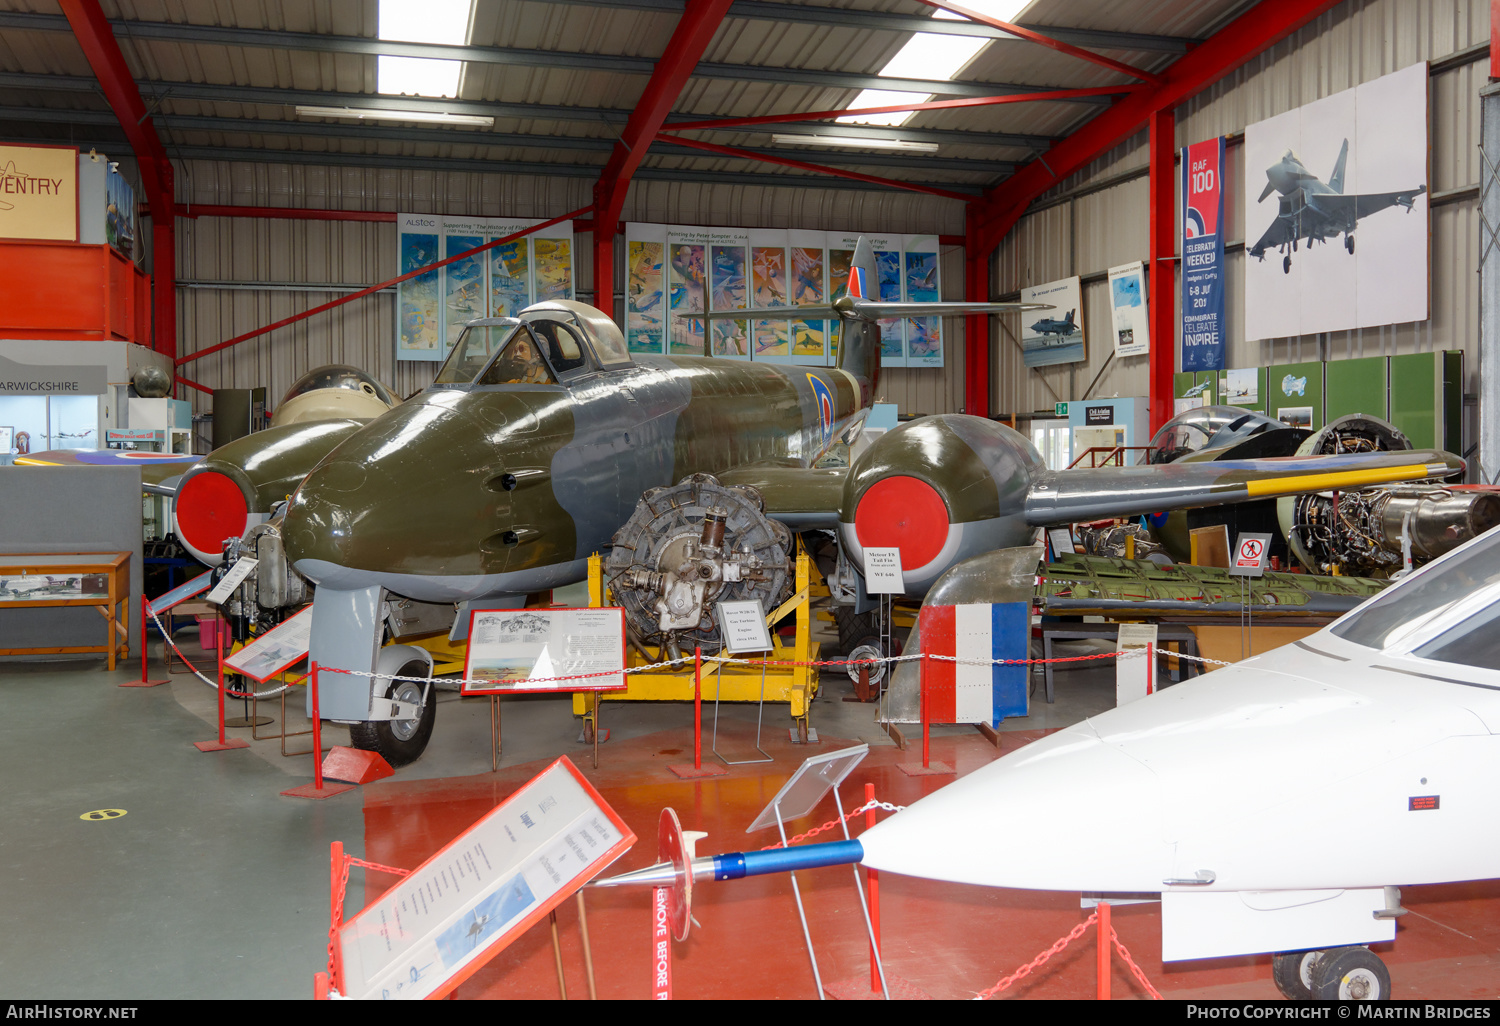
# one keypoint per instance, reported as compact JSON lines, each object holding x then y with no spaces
{"x":1070,"y":496}
{"x":944,"y":309}
{"x":765,"y":313}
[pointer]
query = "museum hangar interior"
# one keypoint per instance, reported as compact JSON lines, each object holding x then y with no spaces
{"x":1017,"y":479}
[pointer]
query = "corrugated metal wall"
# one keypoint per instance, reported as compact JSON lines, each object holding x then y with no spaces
{"x":1354,"y":43}
{"x":239,"y":274}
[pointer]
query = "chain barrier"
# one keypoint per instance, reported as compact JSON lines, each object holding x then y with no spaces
{"x":337,"y":916}
{"x":1135,"y":970}
{"x":1040,"y":960}
{"x":866,"y":807}
{"x":1058,"y":946}
{"x":257,"y":695}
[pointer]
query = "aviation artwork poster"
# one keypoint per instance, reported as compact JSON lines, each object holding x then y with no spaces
{"x":1050,"y":337}
{"x":676,"y":269}
{"x":1336,"y":212}
{"x":432,"y":307}
{"x":1127,"y":302}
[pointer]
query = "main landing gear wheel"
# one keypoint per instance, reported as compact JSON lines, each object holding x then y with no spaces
{"x":1350,"y":974}
{"x":1286,"y":264}
{"x":1349,"y":243}
{"x":400,"y":741}
{"x":1293,"y":973}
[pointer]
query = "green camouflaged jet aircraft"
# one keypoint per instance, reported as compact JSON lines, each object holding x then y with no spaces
{"x":543,"y":435}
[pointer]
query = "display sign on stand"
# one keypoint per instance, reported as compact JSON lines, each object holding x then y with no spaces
{"x":232,"y":580}
{"x":743,"y":627}
{"x":1135,"y":677}
{"x":525,"y":651}
{"x":482,"y":890}
{"x":883,"y":572}
{"x":275,"y":651}
{"x":1252,"y":552}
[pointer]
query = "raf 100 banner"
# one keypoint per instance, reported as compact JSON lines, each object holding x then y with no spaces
{"x":673,"y":270}
{"x":433,"y":308}
{"x":1203,"y":326}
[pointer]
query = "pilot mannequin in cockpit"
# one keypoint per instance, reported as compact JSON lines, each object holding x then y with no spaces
{"x":523,"y":365}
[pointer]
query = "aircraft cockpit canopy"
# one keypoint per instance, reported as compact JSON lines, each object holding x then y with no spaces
{"x":1448,"y":611}
{"x":478,"y":344}
{"x":1207,"y":427}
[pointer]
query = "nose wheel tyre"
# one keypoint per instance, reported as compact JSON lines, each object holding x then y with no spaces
{"x":1351,"y":974}
{"x":1293,"y":973}
{"x":400,"y":741}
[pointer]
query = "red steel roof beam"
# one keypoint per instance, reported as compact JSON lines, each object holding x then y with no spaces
{"x":1253,"y":32}
{"x":98,"y":42}
{"x":971,"y":101}
{"x":695,"y":30}
{"x":1038,"y":38}
{"x":730,"y":151}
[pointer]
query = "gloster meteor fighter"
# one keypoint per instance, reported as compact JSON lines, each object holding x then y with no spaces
{"x":543,"y":440}
{"x":1312,"y":211}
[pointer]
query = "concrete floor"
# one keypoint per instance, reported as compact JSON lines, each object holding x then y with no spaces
{"x":214,"y":886}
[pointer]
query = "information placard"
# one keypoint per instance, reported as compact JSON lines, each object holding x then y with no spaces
{"x":479,"y":892}
{"x":1135,"y":678}
{"x":883,"y":572}
{"x":232,"y":580}
{"x":276,"y":650}
{"x":524,"y":651}
{"x":743,"y":627}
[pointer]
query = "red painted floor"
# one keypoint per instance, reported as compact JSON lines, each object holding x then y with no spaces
{"x":942,"y":940}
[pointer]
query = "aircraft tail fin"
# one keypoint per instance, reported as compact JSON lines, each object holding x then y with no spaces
{"x":1069,"y":319}
{"x":859,"y":338}
{"x":1336,"y":180}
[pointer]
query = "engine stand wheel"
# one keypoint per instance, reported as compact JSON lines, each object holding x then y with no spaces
{"x":1293,"y":972}
{"x":400,"y":741}
{"x":1351,"y":974}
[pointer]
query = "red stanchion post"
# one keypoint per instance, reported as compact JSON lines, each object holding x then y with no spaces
{"x":219,"y":640}
{"x":925,"y":731}
{"x":317,"y":728}
{"x":697,"y":707}
{"x":335,"y":909}
{"x":145,"y":612}
{"x":873,"y":878}
{"x":1104,"y":945}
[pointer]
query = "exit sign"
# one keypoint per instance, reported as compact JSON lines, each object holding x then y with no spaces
{"x":1060,"y":409}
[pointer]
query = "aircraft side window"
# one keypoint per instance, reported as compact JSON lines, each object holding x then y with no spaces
{"x":561,"y":345}
{"x":472,"y":351}
{"x":519,"y":364}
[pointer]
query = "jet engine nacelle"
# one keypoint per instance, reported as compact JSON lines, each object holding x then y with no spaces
{"x":940,"y":489}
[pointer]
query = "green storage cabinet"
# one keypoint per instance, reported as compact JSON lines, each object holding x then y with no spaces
{"x":1357,"y":386}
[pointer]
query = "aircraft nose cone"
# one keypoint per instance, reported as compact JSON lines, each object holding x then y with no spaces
{"x":402,"y":496}
{"x":1065,"y":813}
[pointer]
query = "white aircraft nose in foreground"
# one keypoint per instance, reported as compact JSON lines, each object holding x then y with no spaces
{"x":1275,"y":805}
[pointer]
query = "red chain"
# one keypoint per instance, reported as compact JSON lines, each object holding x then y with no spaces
{"x":816,"y":830}
{"x":1134,"y":969}
{"x":337,"y":918}
{"x":1040,"y":960}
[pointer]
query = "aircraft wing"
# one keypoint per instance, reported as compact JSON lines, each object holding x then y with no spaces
{"x":874,"y":309}
{"x":765,"y":313}
{"x":1351,"y":208}
{"x":160,"y":472}
{"x":1279,"y":234}
{"x":803,"y":498}
{"x":1071,"y":496}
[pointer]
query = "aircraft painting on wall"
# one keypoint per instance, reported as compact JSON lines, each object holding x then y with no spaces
{"x":1311,"y":210}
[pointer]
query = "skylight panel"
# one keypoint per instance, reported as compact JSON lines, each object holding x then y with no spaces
{"x":932,"y":56}
{"x":422,"y":21}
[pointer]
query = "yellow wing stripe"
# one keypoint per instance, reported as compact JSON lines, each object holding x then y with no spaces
{"x":1340,"y":479}
{"x":27,"y":461}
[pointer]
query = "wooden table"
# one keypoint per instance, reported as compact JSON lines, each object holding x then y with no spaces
{"x":99,"y":579}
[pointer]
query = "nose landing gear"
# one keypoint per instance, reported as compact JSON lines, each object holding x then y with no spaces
{"x":1337,"y":974}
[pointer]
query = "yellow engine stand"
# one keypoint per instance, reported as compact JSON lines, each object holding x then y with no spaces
{"x":795,"y":685}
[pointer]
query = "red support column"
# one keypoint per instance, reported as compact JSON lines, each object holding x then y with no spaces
{"x":684,"y":50}
{"x":1163,"y":273}
{"x":976,"y":327}
{"x":97,"y":40}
